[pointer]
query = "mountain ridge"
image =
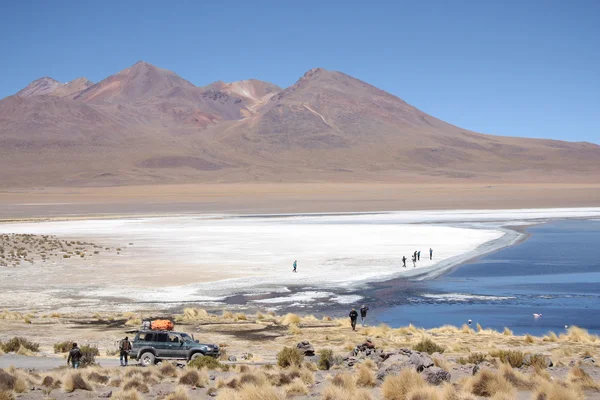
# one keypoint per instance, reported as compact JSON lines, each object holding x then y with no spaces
{"x":146,"y":124}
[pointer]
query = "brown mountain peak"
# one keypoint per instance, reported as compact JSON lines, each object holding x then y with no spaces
{"x":39,"y":87}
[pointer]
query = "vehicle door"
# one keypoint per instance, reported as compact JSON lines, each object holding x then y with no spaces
{"x":162,"y":345}
{"x":177,"y":348}
{"x":142,"y":339}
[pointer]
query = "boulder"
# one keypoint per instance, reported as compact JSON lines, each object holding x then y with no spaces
{"x":436,"y":375}
{"x":588,"y":360}
{"x":306,"y":348}
{"x":106,"y":395}
{"x":420,"y":361}
{"x":232,"y":358}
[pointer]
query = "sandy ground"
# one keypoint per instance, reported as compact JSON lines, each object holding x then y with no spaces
{"x":289,"y":198}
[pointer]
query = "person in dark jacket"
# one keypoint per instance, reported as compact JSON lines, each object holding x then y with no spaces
{"x":414,"y":260}
{"x":419,"y":255}
{"x":295,"y":266}
{"x":363,"y":314}
{"x":74,"y":356}
{"x":124,"y":348}
{"x":353,"y":316}
{"x":431,"y":254}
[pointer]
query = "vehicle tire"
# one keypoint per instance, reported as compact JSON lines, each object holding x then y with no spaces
{"x":195,"y":355}
{"x":147,"y":359}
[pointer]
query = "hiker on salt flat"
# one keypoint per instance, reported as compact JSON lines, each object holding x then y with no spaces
{"x":295,"y":265}
{"x":431,"y":254}
{"x":404,"y":261}
{"x":414,"y":259}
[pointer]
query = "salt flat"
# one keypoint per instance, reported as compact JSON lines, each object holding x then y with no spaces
{"x":171,"y":260}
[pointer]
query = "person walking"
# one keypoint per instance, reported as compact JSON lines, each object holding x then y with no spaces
{"x":419,"y":255}
{"x":414,"y":259}
{"x":431,"y":254}
{"x":404,"y":261}
{"x":124,"y":348}
{"x":363,"y":314}
{"x":295,"y":265}
{"x":74,"y":356}
{"x":353,"y":316}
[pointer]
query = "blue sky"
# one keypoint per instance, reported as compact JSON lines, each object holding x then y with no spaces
{"x":515,"y":68}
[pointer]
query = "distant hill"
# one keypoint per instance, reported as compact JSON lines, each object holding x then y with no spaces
{"x":148,"y":125}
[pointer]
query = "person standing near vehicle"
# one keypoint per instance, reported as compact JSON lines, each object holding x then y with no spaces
{"x":295,"y":265}
{"x":431,"y":254}
{"x":363,"y":314}
{"x":124,"y":348}
{"x":353,"y":316}
{"x":419,"y":255}
{"x":74,"y":356}
{"x":404,"y":261}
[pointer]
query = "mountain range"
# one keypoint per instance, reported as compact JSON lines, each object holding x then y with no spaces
{"x":147,"y":125}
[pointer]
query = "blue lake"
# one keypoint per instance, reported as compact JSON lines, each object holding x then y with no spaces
{"x":555,"y":272}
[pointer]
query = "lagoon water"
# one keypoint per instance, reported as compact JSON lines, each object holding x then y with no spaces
{"x":555,"y":272}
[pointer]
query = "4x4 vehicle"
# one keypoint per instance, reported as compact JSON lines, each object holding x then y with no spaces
{"x":150,"y":347}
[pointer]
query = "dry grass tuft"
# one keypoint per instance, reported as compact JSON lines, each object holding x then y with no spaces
{"x":398,"y":387}
{"x":516,"y":359}
{"x":424,"y":393}
{"x":168,"y":370}
{"x":486,"y":383}
{"x":555,"y":391}
{"x":7,"y":381}
{"x":137,"y":384}
{"x":293,"y":329}
{"x":130,"y":394}
{"x":579,"y":335}
{"x":441,"y":363}
{"x":551,"y":337}
{"x":195,"y":378}
{"x":296,"y":388}
{"x":193,"y":314}
{"x":507,"y":332}
{"x":6,"y":395}
{"x":241,"y":317}
{"x":251,"y":392}
{"x":180,"y":393}
{"x":529,"y":339}
{"x":98,"y":378}
{"x":365,"y":377}
{"x":74,"y":381}
{"x":579,"y":377}
{"x":428,"y":346}
{"x":290,"y":356}
{"x":227,"y":315}
{"x":344,"y":380}
{"x":290,"y":319}
{"x":466,"y":329}
{"x":516,"y":378}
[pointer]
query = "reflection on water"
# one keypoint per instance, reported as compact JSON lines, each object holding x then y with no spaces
{"x":556,"y":273}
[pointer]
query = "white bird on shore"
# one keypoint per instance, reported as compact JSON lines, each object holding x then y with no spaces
{"x":470,"y":322}
{"x":536,"y":315}
{"x":566,"y":326}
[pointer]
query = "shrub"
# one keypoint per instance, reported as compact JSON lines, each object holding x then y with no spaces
{"x":207,"y":362}
{"x":13,"y":345}
{"x":289,"y":356}
{"x":513,"y":358}
{"x":424,"y":393}
{"x":325,"y":359}
{"x":290,"y":318}
{"x":398,"y":387}
{"x":62,"y":347}
{"x":344,"y":380}
{"x":529,"y":339}
{"x":428,"y":346}
{"x":130,"y":394}
{"x":296,"y":388}
{"x":516,"y":378}
{"x":472,"y":358}
{"x":556,"y":391}
{"x":7,"y":381}
{"x":74,"y":381}
{"x":168,"y":369}
{"x":537,"y":361}
{"x":88,"y":356}
{"x":579,"y":377}
{"x":98,"y":378}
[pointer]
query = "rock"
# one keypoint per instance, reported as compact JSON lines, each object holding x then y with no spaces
{"x":306,"y":348}
{"x":420,"y":361}
{"x":476,"y":369}
{"x":106,"y":395}
{"x":232,"y":358}
{"x":436,"y":375}
{"x":588,"y":360}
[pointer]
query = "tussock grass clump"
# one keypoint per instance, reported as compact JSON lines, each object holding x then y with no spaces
{"x":290,"y":319}
{"x":13,"y":345}
{"x":425,"y":393}
{"x":133,"y":321}
{"x":339,"y":393}
{"x":62,"y":347}
{"x":579,"y":377}
{"x":130,"y":394}
{"x":344,"y":380}
{"x":466,"y":329}
{"x":241,"y":317}
{"x":207,"y":362}
{"x":294,"y":330}
{"x":365,"y":377}
{"x":253,"y":392}
{"x":551,"y":337}
{"x":180,"y":393}
{"x":472,"y":358}
{"x":398,"y":387}
{"x":428,"y":346}
{"x":168,"y":370}
{"x":194,"y":378}
{"x":441,"y":363}
{"x":98,"y":378}
{"x":74,"y":381}
{"x":486,"y":383}
{"x":296,"y":388}
{"x":227,"y":315}
{"x":507,"y":332}
{"x":137,"y":384}
{"x":7,"y":381}
{"x":538,"y":361}
{"x":516,"y":378}
{"x":529,"y":339}
{"x":579,"y":335}
{"x":555,"y":391}
{"x":6,"y":395}
{"x":325,"y":359}
{"x":514,"y":358}
{"x":290,"y":356}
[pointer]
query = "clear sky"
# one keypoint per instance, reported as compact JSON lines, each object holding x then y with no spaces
{"x":509,"y":67}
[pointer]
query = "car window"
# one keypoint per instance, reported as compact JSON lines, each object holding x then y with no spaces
{"x":146,"y":337}
{"x":185,"y":337}
{"x":173,"y":338}
{"x":162,"y":337}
